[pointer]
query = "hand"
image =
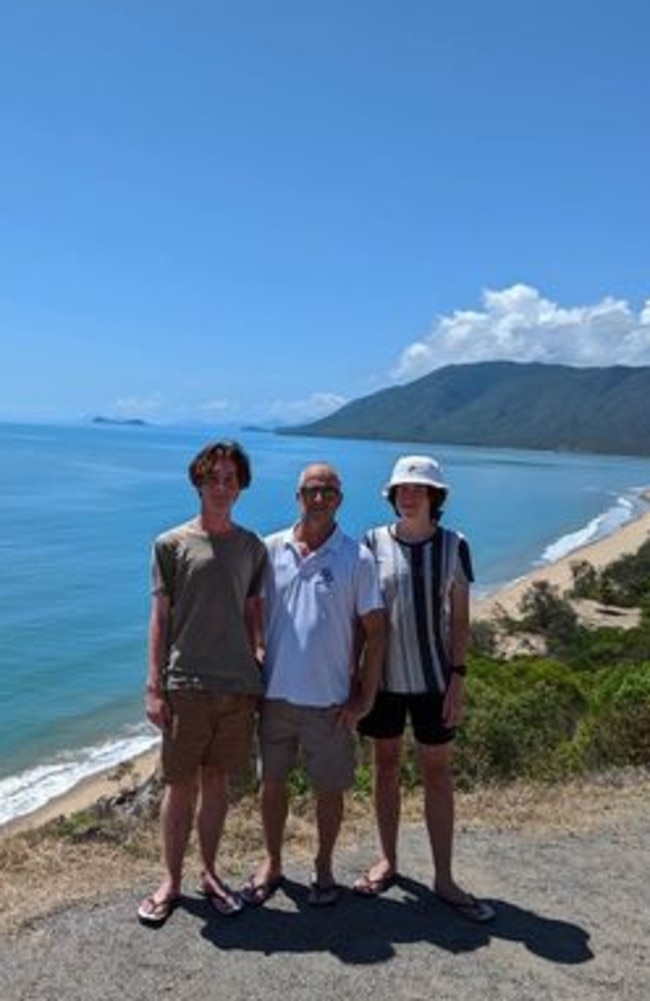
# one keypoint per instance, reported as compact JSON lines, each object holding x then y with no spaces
{"x":352,"y":711}
{"x":452,"y":706}
{"x":158,"y":711}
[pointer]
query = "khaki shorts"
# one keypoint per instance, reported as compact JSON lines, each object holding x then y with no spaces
{"x":327,"y":747}
{"x":207,"y":729}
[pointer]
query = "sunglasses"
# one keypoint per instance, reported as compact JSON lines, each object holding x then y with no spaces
{"x":328,"y":493}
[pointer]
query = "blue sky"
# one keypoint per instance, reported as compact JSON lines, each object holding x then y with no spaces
{"x":260,"y":209}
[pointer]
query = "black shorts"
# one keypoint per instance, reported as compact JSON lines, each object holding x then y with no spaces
{"x":387,"y":718}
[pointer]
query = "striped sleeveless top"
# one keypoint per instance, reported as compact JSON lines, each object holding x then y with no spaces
{"x":416,"y":581}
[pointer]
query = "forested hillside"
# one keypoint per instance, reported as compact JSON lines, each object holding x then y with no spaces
{"x":506,"y":404}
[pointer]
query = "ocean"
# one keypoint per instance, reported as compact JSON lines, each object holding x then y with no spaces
{"x":79,"y":507}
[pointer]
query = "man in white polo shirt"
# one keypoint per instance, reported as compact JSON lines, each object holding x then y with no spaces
{"x":320,"y":586}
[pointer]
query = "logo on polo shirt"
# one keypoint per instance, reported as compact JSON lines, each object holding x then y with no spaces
{"x":327,"y":576}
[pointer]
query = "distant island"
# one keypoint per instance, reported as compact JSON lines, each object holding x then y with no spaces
{"x":121,"y":421}
{"x":505,"y":405}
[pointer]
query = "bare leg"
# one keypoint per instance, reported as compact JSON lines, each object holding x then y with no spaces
{"x":211,"y":815}
{"x":275,"y":807}
{"x":329,"y":815}
{"x":387,"y":799}
{"x":176,"y":823}
{"x":439,"y":813}
{"x":387,"y":754}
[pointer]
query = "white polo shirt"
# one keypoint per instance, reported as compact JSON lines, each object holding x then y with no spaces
{"x":312,"y":603}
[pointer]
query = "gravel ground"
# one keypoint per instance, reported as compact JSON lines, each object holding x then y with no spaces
{"x":573,"y":923}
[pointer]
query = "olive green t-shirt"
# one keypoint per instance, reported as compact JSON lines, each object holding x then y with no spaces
{"x":207,"y":579}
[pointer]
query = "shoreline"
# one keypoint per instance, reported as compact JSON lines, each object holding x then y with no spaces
{"x":625,"y":540}
{"x":85,"y":793}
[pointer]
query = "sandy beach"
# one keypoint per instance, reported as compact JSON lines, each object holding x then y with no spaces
{"x":84,"y":794}
{"x":625,"y":540}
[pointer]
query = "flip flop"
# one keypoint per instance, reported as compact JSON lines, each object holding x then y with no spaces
{"x":365,"y":886}
{"x":224,"y":900}
{"x":227,"y":906}
{"x":155,"y":912}
{"x":323,"y":895}
{"x":478,"y":911}
{"x":255,"y":894}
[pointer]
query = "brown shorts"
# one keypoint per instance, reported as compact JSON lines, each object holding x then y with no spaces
{"x":327,"y":746}
{"x":207,"y":729}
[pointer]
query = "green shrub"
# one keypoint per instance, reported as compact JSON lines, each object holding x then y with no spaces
{"x":620,"y":721}
{"x":606,"y":646}
{"x":515,"y":727}
{"x":363,"y":780}
{"x":586,"y":582}
{"x":625,"y":582}
{"x":545,"y":612}
{"x":483,"y":637}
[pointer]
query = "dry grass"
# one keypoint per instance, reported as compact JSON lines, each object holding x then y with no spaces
{"x":80,"y":860}
{"x":574,"y":806}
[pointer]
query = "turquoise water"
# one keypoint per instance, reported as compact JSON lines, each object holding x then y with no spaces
{"x":79,"y":507}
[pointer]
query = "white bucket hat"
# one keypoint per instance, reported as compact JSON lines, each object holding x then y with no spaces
{"x":418,"y":469}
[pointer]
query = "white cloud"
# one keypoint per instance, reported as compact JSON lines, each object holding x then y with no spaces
{"x":212,"y":408}
{"x":645,"y":312}
{"x":309,"y":408}
{"x":519,"y":324}
{"x":138,"y":406}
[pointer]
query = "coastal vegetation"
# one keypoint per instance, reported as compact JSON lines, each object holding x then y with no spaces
{"x":582,"y":707}
{"x":505,"y":404}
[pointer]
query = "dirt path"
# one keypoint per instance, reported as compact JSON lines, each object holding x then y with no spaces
{"x":573,"y":923}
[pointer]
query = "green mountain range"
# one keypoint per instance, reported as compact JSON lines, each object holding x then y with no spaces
{"x":506,"y":404}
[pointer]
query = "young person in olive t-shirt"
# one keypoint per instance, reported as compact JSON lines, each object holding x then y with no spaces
{"x":204,"y":680}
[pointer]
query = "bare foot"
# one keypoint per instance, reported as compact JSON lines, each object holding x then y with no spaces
{"x":375,"y":880}
{"x":261,"y":884}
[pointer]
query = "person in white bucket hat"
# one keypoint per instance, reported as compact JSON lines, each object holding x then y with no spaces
{"x":425,"y":572}
{"x":419,"y":469}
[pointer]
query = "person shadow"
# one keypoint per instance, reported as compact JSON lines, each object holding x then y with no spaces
{"x":358,"y":930}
